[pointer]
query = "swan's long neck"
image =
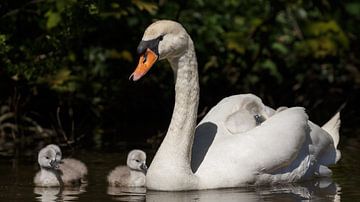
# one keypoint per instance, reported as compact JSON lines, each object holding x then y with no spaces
{"x":170,"y":168}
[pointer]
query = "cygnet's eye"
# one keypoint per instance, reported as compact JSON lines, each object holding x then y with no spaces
{"x":47,"y":157}
{"x":259,"y":119}
{"x":137,"y":160}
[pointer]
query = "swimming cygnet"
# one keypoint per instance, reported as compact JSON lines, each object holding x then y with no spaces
{"x":132,"y":175}
{"x":50,"y":174}
{"x":70,"y":163}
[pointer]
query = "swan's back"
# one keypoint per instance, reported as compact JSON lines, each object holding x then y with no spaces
{"x":285,"y":147}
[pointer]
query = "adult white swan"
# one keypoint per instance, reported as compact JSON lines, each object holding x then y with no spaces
{"x":240,"y":141}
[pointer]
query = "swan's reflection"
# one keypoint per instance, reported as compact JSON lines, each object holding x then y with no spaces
{"x":316,"y":189}
{"x":127,"y":193}
{"x":58,"y":193}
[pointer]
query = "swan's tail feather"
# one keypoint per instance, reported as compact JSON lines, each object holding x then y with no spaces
{"x":332,"y":127}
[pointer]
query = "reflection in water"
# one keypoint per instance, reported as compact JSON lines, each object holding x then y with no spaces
{"x":17,"y":185}
{"x":291,"y":192}
{"x":127,"y":193}
{"x":59,"y":193}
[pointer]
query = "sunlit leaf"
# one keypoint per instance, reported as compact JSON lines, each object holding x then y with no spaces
{"x":61,"y":76}
{"x":212,"y":62}
{"x":317,"y":48}
{"x":330,"y":28}
{"x":53,"y":19}
{"x":124,"y":55}
{"x":2,"y":39}
{"x":115,"y":5}
{"x":147,"y":6}
{"x":235,"y":41}
{"x":93,"y":9}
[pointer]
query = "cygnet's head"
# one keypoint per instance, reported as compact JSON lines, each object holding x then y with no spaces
{"x":47,"y":158}
{"x":57,"y":150}
{"x":136,"y":160}
{"x":163,"y":39}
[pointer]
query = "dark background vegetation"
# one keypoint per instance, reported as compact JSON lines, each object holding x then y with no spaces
{"x":64,"y":65}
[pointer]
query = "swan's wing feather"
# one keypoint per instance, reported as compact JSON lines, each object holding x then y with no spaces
{"x":278,"y":140}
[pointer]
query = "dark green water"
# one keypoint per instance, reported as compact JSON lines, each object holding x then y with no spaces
{"x":16,"y":177}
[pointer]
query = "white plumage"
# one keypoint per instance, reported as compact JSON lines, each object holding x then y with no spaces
{"x":240,"y":141}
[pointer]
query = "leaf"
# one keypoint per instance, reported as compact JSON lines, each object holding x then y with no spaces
{"x":2,"y":39}
{"x":53,"y":19}
{"x":93,"y":9}
{"x":317,"y":48}
{"x":331,"y":29}
{"x":212,"y":62}
{"x":149,"y":7}
{"x":280,"y":48}
{"x":124,"y":55}
{"x":62,"y":4}
{"x":271,"y":66}
{"x":61,"y":76}
{"x":234,"y":41}
{"x":353,"y":8}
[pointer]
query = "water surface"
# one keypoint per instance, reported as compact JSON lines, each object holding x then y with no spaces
{"x":16,"y":175}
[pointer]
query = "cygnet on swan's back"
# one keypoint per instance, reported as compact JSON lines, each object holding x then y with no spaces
{"x":70,"y":163}
{"x":51,"y":174}
{"x":132,"y":175}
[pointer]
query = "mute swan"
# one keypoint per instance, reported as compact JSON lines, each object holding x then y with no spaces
{"x":50,"y":174}
{"x":132,"y":175}
{"x":70,"y":163}
{"x":240,"y":141}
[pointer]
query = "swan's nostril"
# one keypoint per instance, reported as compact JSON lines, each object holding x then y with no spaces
{"x":145,"y":57}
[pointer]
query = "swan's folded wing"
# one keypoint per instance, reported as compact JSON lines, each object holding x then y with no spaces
{"x":279,"y":140}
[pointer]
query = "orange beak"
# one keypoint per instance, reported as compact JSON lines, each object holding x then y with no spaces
{"x":146,"y":61}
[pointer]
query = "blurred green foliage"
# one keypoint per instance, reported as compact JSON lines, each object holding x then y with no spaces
{"x":67,"y":61}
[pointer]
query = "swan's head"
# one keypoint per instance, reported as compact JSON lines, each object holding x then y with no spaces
{"x":136,"y":160}
{"x":57,"y":150}
{"x":47,"y":158}
{"x":163,"y":39}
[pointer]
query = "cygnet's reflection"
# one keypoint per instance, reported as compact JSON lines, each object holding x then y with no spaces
{"x":59,"y":193}
{"x":127,"y":193}
{"x":316,"y":189}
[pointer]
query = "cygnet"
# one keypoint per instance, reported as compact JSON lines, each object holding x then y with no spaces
{"x":132,"y":175}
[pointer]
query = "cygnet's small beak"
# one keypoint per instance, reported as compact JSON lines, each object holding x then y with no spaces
{"x":143,"y":167}
{"x":54,"y":164}
{"x":146,"y":61}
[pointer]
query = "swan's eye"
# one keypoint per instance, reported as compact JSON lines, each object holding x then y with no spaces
{"x":161,"y":37}
{"x":138,"y":161}
{"x":46,"y":157}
